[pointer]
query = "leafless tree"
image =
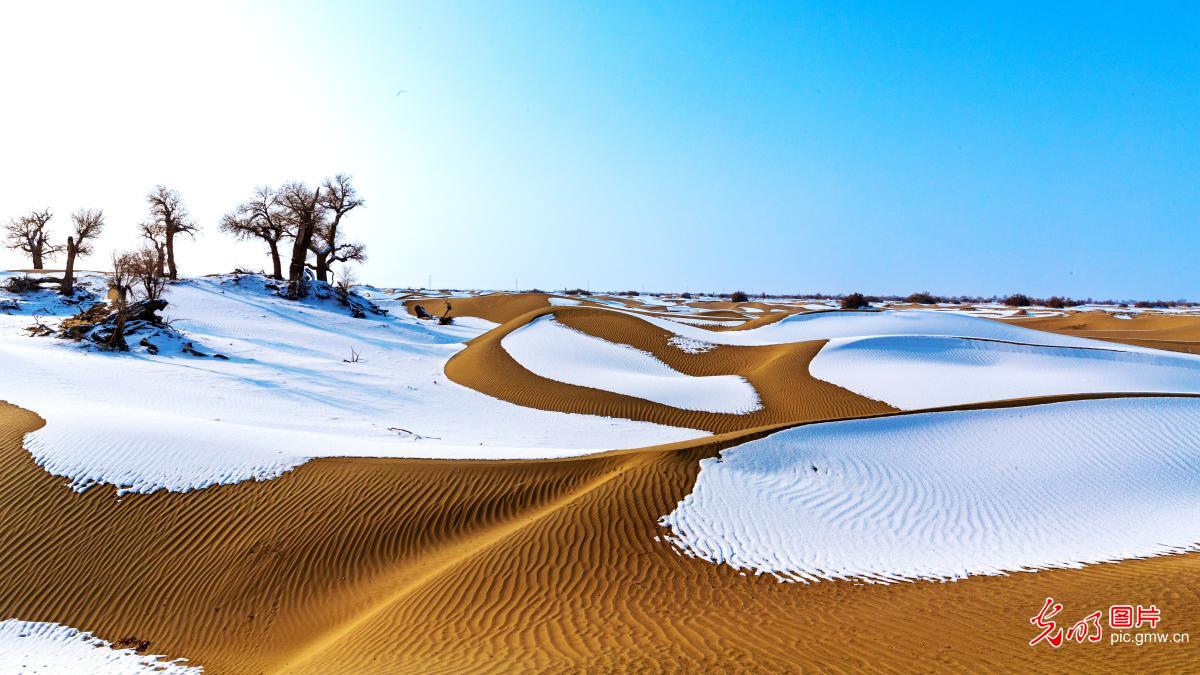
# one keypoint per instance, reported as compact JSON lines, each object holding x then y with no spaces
{"x":135,"y":273}
{"x":120,"y":285}
{"x":155,"y":233}
{"x":338,"y":199}
{"x":28,"y":233}
{"x":88,"y":223}
{"x":262,"y":217}
{"x":304,"y":217}
{"x":168,"y":211}
{"x":142,"y":265}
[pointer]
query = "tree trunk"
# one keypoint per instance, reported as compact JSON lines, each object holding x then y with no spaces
{"x":299,"y":255}
{"x":116,"y":340}
{"x":68,"y":282}
{"x":276,"y":263}
{"x":37,"y":257}
{"x":323,"y":267}
{"x":170,"y":237}
{"x":304,"y":236}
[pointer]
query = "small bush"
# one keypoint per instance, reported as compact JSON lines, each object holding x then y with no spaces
{"x":1056,"y":302}
{"x":1018,"y":300}
{"x":922,"y":298}
{"x":686,"y":296}
{"x":628,"y":293}
{"x":738,"y":296}
{"x":575,"y":291}
{"x":855,"y":301}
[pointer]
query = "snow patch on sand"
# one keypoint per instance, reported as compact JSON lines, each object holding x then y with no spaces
{"x":558,"y":352}
{"x":689,"y":345}
{"x":947,"y":495}
{"x":842,"y":324}
{"x":912,"y":372}
{"x":34,"y":647}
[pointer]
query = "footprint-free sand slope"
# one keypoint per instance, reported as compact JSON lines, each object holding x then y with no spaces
{"x":1159,"y":331}
{"x":778,"y":373}
{"x":378,"y":565}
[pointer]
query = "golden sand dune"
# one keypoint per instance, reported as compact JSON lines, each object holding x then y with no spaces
{"x":498,"y":308}
{"x":375,"y":565}
{"x":361,"y":565}
{"x":1160,"y":331}
{"x":778,"y":372}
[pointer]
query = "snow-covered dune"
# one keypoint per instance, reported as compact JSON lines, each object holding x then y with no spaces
{"x":552,"y":350}
{"x":912,"y":372}
{"x":34,"y":647}
{"x":285,"y":394}
{"x":944,"y":495}
{"x":837,"y":324}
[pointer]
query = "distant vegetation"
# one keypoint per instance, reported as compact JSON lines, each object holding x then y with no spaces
{"x":855,"y":301}
{"x":738,"y":296}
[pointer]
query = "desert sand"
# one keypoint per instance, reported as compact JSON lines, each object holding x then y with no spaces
{"x":379,"y":564}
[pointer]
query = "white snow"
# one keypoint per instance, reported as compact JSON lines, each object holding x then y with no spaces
{"x":285,"y":395}
{"x":946,"y":495}
{"x":911,"y":372}
{"x":552,"y":350}
{"x":563,"y":302}
{"x":689,"y":345}
{"x":39,"y":648}
{"x":838,"y":324}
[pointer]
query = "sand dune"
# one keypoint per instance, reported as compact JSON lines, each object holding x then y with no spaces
{"x":362,"y":564}
{"x":945,"y":495}
{"x":1160,"y":331}
{"x":778,"y":373}
{"x":913,"y":372}
{"x":555,"y":351}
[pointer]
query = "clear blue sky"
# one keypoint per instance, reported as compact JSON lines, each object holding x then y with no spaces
{"x":881,"y":147}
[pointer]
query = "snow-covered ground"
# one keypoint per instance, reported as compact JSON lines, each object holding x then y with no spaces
{"x":912,"y":372}
{"x":284,"y":395}
{"x":555,"y":351}
{"x":945,"y":495}
{"x":39,"y":648}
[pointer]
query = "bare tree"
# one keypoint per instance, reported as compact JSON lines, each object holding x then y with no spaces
{"x":120,"y":285}
{"x":155,"y":233}
{"x":339,"y":198}
{"x":28,"y":233}
{"x":142,"y":265}
{"x":262,"y":217}
{"x":304,"y":217}
{"x":167,"y":209}
{"x":88,"y":224}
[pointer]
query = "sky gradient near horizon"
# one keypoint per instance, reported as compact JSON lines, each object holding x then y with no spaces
{"x":790,"y":147}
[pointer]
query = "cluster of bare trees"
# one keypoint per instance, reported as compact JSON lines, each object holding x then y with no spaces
{"x":29,"y":234}
{"x":167,"y":218}
{"x":310,"y":218}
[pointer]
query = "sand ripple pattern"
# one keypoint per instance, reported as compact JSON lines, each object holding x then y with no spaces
{"x":952,"y":494}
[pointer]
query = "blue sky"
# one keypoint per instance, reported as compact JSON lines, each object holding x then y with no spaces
{"x":832,"y":147}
